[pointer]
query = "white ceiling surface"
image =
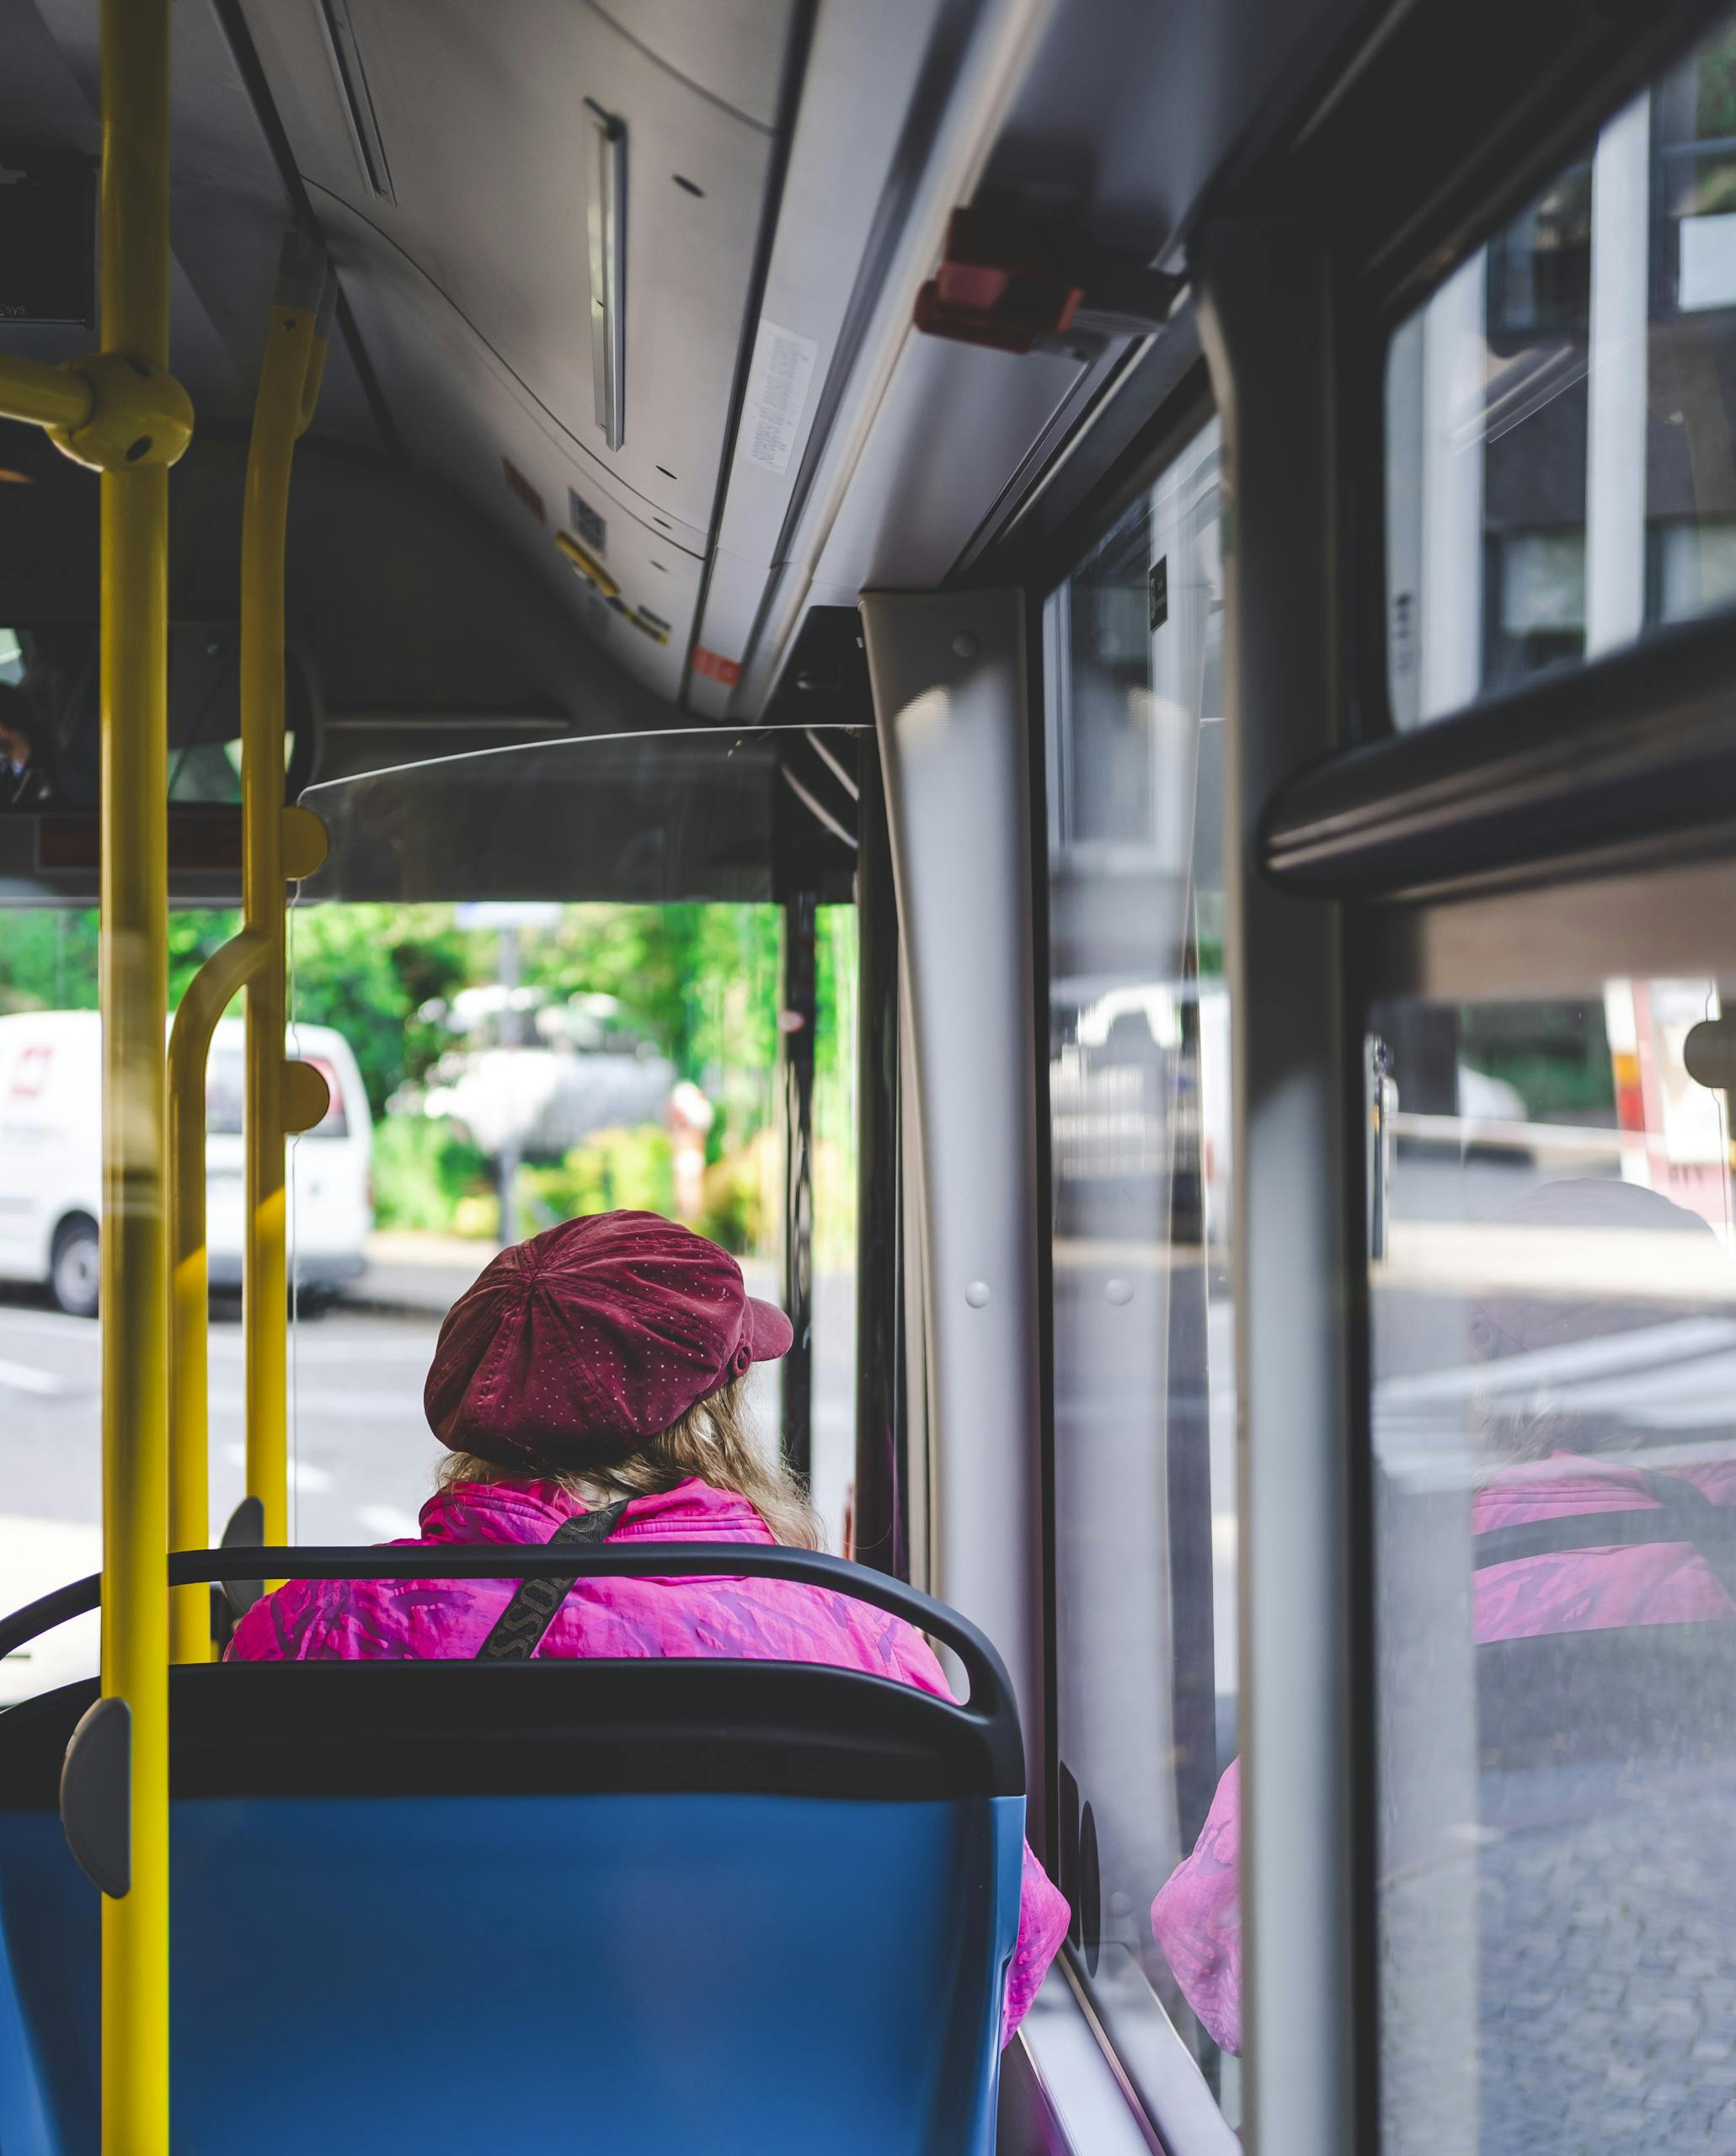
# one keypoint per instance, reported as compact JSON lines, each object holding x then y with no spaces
{"x":470,"y":292}
{"x":913,"y":404}
{"x":733,"y":50}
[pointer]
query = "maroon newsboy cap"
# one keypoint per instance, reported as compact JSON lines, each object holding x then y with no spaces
{"x":572,"y":1349}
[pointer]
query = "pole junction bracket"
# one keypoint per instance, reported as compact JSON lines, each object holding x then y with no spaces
{"x":139,"y":415}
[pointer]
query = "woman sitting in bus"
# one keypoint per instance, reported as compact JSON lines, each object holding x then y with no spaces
{"x":601,"y":1366}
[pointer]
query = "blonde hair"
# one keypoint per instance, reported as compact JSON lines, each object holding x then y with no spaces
{"x":713,"y":1440}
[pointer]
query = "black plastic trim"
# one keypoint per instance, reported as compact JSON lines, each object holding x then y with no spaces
{"x":541,"y":1727}
{"x":1643,"y":742}
{"x":1459,"y":144}
{"x":991,"y":1708}
{"x":1464,"y":108}
{"x":881,"y":1518}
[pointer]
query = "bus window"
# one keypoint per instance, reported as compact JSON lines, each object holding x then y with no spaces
{"x":1139,"y":1036}
{"x":1560,"y":479}
{"x":578,"y":976}
{"x":1554,"y":1332}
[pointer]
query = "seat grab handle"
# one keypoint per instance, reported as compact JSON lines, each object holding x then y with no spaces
{"x":96,"y":1795}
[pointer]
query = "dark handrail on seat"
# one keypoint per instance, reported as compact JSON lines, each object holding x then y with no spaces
{"x":76,"y":1600}
{"x":992,"y":1703}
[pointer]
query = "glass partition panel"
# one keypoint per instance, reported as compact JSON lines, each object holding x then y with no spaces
{"x":1554,"y":1342}
{"x":555,"y":980}
{"x":1145,"y":1508}
{"x":1560,"y":479}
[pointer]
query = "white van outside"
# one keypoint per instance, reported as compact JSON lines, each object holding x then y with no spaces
{"x":51,"y":1159}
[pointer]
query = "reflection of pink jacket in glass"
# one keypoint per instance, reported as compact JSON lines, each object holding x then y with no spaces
{"x":1197,"y":1916}
{"x":770,"y":1620}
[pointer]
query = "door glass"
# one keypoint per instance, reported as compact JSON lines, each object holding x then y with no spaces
{"x":554,"y":981}
{"x":1554,"y":1348}
{"x":1560,"y":480}
{"x":1144,"y":1520}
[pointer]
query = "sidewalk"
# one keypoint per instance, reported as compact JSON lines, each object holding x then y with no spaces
{"x":416,"y":1275}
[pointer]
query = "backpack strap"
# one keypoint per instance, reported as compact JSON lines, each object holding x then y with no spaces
{"x":1681,"y":1513}
{"x":518,"y":1632}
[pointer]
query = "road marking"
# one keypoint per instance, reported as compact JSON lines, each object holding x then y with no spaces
{"x":24,"y":1377}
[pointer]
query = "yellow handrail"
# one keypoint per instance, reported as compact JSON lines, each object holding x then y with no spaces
{"x":43,"y":396}
{"x":208,"y":995}
{"x":289,"y":378}
{"x":121,"y":412}
{"x":135,"y":283}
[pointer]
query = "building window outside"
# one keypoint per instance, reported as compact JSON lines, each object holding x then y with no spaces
{"x":1560,"y":415}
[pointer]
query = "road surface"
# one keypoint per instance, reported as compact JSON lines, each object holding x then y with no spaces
{"x":363,"y":1457}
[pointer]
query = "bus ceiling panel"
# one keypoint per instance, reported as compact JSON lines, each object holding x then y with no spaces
{"x":873,"y":91}
{"x":733,"y":50}
{"x":957,"y":427}
{"x":735,"y":588}
{"x":675,"y":817}
{"x":44,"y":99}
{"x":909,"y":155}
{"x":625,"y":572}
{"x":461,"y":136}
{"x":409,"y":603}
{"x":433,"y":364}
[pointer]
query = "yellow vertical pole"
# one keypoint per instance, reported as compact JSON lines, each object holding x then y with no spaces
{"x":208,"y":995}
{"x":121,"y":413}
{"x":288,"y":373}
{"x":135,"y":280}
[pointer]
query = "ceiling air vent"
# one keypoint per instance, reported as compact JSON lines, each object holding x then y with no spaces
{"x":605,"y":233}
{"x":345,"y":56}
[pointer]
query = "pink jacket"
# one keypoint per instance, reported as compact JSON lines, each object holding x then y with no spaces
{"x":770,"y":1620}
{"x":1197,"y":1916}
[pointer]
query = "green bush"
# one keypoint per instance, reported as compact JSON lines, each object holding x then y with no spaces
{"x":422,"y":1171}
{"x":736,"y":1214}
{"x":618,"y":1167}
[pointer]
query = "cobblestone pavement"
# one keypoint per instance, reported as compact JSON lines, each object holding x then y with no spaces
{"x":1608,"y":1961}
{"x":1597,"y":1986}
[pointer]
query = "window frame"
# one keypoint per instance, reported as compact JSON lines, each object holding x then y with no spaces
{"x":1164,"y":436}
{"x":1521,"y":789}
{"x":1562,"y":119}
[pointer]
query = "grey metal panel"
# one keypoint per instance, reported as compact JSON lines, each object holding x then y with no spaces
{"x":850,"y":155}
{"x":1069,"y":2095}
{"x":1265,"y":297}
{"x":1059,"y":2095}
{"x":481,"y":112}
{"x":1001,"y":38}
{"x":1132,"y":107}
{"x":731,"y":49}
{"x":956,"y":423}
{"x":461,"y":412}
{"x":947,"y":673}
